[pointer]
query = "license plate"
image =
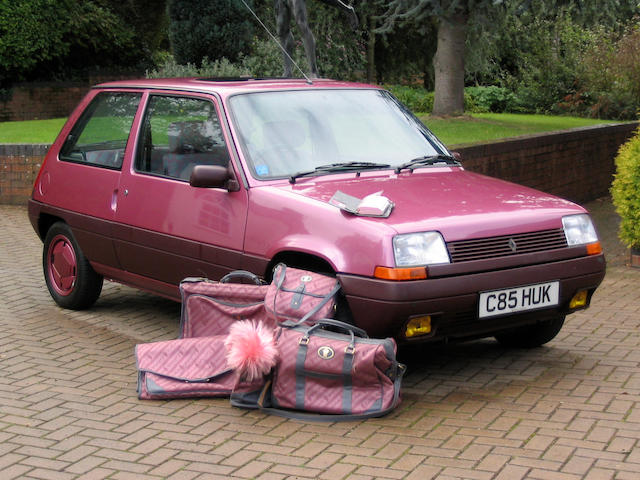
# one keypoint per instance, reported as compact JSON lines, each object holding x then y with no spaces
{"x":518,"y":299}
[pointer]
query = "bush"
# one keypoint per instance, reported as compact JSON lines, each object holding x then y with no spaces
{"x":208,"y":29}
{"x":416,"y":99}
{"x":217,"y":68}
{"x":625,"y":191}
{"x":491,"y":99}
{"x":609,"y":76}
{"x":419,"y":100}
{"x":547,"y":55}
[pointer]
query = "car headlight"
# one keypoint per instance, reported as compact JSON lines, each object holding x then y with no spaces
{"x":425,"y":248}
{"x":579,"y":229}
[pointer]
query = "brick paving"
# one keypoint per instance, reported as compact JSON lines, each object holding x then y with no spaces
{"x":68,"y":406}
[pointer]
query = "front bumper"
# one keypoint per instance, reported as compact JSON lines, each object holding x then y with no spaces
{"x":384,"y":307}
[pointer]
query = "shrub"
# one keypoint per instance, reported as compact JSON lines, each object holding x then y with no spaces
{"x":609,"y":75}
{"x":416,"y":99}
{"x":490,"y":99}
{"x":419,"y":100}
{"x":217,"y":68}
{"x":208,"y":29}
{"x":625,"y":191}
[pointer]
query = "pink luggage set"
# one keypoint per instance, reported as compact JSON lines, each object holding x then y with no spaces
{"x":274,"y":348}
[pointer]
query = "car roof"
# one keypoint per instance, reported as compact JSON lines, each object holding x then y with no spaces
{"x":228,"y":86}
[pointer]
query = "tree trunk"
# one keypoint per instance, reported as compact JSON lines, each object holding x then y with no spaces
{"x":448,"y":63}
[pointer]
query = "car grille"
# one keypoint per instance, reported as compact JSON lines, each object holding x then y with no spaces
{"x":506,"y":245}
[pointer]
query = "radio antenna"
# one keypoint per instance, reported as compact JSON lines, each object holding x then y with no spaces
{"x":277,"y":42}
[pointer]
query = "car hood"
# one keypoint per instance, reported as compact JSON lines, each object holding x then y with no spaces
{"x":458,"y":203}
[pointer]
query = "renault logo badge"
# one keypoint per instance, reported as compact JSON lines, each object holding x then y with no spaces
{"x":326,"y":353}
{"x":513,"y":245}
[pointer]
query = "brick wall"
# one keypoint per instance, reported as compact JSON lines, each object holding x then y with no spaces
{"x":19,"y":165}
{"x":37,"y":101}
{"x":576,"y":164}
{"x":41,"y":100}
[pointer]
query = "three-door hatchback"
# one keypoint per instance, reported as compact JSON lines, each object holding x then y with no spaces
{"x":152,"y":181}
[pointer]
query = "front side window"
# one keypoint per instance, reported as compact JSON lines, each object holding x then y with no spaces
{"x":100,"y":135}
{"x":177,"y":134}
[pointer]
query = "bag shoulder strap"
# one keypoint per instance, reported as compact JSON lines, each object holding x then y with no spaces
{"x":317,"y":308}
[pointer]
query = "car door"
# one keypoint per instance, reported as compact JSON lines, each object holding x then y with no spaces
{"x":87,"y":171}
{"x":166,"y":229}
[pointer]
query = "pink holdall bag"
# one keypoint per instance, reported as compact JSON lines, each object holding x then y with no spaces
{"x":210,"y":308}
{"x":300,"y":296}
{"x":189,"y":367}
{"x":324,"y":375}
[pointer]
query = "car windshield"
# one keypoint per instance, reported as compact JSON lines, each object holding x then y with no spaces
{"x":289,"y":133}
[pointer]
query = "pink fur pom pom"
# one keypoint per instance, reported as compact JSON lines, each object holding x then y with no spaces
{"x":251,"y":349}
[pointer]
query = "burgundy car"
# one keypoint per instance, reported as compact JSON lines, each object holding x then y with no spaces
{"x":152,"y":181}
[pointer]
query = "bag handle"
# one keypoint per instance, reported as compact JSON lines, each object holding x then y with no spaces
{"x":241,"y":274}
{"x":357,"y":331}
{"x":330,"y":417}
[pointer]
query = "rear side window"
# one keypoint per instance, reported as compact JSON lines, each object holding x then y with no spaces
{"x":177,"y":134}
{"x":100,"y":135}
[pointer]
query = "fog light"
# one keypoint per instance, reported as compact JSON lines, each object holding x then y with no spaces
{"x":418,"y":326}
{"x":579,"y":300}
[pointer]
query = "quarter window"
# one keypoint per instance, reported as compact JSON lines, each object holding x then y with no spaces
{"x":101,"y":133}
{"x":179,"y":133}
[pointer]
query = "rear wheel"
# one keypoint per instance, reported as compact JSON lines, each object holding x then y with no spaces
{"x":71,"y":280}
{"x":531,"y":336}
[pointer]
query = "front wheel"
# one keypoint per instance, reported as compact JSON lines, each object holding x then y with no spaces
{"x":71,"y":280}
{"x":531,"y":336}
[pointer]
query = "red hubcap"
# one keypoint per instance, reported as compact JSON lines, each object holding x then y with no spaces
{"x":61,"y":265}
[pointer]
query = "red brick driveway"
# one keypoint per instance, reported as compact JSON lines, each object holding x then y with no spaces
{"x":68,"y":406}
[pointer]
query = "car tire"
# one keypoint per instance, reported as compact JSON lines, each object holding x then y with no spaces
{"x":71,"y":280}
{"x":531,"y":336}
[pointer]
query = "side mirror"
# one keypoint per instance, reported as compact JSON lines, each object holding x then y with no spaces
{"x":457,"y":156}
{"x":213,"y":176}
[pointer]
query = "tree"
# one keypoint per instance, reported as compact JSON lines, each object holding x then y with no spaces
{"x":47,"y":39}
{"x":212,"y":29}
{"x":451,"y":18}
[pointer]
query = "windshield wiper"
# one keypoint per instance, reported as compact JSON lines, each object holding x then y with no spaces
{"x":428,"y":161}
{"x":339,"y":167}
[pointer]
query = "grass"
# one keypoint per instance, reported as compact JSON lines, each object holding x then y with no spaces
{"x":492,"y":126}
{"x":32,"y":131}
{"x":452,"y":131}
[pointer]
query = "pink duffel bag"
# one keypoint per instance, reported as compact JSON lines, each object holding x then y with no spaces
{"x":210,"y":308}
{"x":299,"y":296}
{"x":327,"y":375}
{"x":188,"y":367}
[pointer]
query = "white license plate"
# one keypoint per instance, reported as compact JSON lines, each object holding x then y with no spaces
{"x":518,"y":299}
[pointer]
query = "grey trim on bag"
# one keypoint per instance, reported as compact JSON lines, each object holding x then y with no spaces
{"x":224,"y":302}
{"x":301,"y":356}
{"x":190,"y":380}
{"x":279,"y":281}
{"x":347,"y":383}
{"x":324,"y":417}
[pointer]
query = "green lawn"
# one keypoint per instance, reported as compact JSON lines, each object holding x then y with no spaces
{"x":32,"y":131}
{"x":452,"y":131}
{"x":491,"y":126}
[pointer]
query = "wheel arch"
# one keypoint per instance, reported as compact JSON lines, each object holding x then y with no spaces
{"x":298,"y":259}
{"x":45,"y":222}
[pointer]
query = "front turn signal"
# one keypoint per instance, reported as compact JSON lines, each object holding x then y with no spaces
{"x":399,"y":274}
{"x":594,"y":248}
